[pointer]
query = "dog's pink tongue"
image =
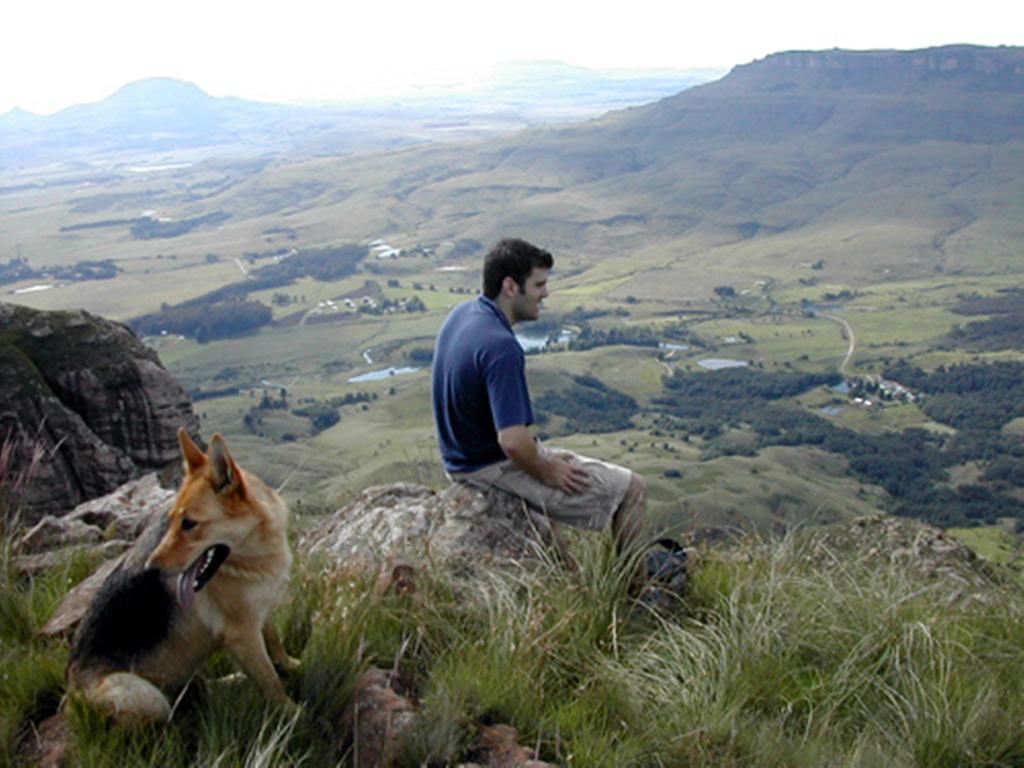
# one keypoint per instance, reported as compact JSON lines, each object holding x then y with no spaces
{"x":185,"y":592}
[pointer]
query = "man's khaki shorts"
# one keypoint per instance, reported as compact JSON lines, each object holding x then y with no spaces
{"x":592,"y":509}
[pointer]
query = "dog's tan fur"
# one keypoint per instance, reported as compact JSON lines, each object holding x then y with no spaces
{"x":220,"y":504}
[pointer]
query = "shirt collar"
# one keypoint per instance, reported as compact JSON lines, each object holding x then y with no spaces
{"x":491,"y":306}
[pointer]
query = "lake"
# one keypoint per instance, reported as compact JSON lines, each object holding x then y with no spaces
{"x":385,"y":373}
{"x":718,"y":363}
{"x":537,"y":343}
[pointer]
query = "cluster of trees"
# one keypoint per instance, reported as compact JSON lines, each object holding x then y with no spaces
{"x":589,"y":405}
{"x":968,"y":396}
{"x":18,"y":269}
{"x":384,"y":306}
{"x":1003,"y":330}
{"x":148,"y":228}
{"x":321,"y":415}
{"x":102,"y":224}
{"x":208,"y":394}
{"x":1006,"y":301}
{"x":718,"y":398}
{"x":963,"y":506}
{"x":205,"y":322}
{"x":352,"y":398}
{"x":635,"y":336}
{"x":421,"y":355}
{"x":912,"y":465}
{"x":681,"y":332}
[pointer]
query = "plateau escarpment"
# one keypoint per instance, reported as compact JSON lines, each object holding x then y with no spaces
{"x":85,"y":402}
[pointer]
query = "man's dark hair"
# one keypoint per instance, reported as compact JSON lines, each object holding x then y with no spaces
{"x":513,"y":258}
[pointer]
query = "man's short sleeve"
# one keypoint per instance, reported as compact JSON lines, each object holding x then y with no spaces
{"x":505,"y":374}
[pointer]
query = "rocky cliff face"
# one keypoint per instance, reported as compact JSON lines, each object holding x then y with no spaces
{"x":944,"y":59}
{"x":85,"y":397}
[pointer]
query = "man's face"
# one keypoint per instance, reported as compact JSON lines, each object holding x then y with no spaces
{"x":526,"y":304}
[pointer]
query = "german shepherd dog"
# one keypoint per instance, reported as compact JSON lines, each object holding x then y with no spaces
{"x":206,"y":576}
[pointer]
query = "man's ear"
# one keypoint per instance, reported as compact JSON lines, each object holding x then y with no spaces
{"x":509,"y":286}
{"x":223,"y":472}
{"x":191,"y":454}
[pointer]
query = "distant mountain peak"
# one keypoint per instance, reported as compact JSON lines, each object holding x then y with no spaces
{"x":159,"y":90}
{"x":17,"y":115}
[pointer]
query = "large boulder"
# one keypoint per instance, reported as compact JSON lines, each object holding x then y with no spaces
{"x":85,"y":407}
{"x":460,"y":525}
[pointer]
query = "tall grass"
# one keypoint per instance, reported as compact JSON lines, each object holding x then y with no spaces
{"x":777,"y":657}
{"x":31,"y":671}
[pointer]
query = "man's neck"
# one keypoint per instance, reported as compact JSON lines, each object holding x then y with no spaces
{"x":505,"y":307}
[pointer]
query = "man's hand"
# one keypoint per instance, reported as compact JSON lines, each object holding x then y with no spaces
{"x":554,"y":470}
{"x":560,"y":473}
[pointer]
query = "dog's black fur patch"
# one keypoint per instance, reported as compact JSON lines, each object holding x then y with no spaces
{"x":132,"y":614}
{"x":134,"y":610}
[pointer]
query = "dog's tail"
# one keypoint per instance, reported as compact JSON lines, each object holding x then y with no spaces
{"x":127,"y":698}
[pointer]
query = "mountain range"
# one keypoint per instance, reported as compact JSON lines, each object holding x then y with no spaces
{"x":872,"y":165}
{"x":175,"y":117}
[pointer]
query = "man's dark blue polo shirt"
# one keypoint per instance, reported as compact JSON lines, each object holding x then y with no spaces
{"x":479,"y":385}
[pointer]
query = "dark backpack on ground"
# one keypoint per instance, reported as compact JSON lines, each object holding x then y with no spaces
{"x":667,"y":568}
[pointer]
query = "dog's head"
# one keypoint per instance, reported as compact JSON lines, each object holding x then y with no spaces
{"x":211,"y":517}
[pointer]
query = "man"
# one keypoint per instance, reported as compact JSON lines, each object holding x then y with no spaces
{"x":482,"y":407}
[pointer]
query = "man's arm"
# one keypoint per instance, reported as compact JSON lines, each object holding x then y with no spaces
{"x":521,"y":449}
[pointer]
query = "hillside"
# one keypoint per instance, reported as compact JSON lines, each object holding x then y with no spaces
{"x":809,"y":210}
{"x":888,"y":166}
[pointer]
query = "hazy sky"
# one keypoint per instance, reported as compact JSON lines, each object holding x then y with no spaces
{"x":54,"y":54}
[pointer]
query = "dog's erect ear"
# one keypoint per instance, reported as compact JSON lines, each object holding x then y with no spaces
{"x":191,"y":453}
{"x":223,"y":472}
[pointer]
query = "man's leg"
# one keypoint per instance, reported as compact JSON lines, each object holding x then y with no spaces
{"x":629,"y":523}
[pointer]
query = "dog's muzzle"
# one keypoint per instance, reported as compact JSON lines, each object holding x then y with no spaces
{"x":197,"y":575}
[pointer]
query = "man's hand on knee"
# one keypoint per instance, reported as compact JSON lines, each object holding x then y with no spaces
{"x":558,"y":472}
{"x":555,"y":469}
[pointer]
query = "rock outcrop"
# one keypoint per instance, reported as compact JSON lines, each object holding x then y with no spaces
{"x":117,"y":520}
{"x":85,"y":403}
{"x":460,"y":526}
{"x":879,"y":541}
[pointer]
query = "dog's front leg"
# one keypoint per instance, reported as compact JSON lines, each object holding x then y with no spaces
{"x":250,"y":653}
{"x":276,"y":649}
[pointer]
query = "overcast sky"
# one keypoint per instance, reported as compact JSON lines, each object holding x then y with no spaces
{"x":54,"y":54}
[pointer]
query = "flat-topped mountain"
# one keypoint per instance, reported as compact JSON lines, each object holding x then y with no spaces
{"x":944,"y":60}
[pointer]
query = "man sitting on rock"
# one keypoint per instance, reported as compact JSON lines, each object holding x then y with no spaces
{"x":482,"y":407}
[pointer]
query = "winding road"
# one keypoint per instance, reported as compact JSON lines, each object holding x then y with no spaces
{"x":850,"y":337}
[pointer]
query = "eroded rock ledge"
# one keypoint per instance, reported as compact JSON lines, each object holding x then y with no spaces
{"x":89,"y":400}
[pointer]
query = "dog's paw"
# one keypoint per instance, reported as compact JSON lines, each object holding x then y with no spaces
{"x":289,"y":665}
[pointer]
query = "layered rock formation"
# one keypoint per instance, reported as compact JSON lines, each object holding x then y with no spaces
{"x":85,"y":404}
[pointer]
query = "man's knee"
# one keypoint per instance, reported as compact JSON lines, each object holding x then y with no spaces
{"x":630,"y":520}
{"x":636,"y":494}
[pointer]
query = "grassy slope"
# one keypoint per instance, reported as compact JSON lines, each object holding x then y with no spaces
{"x":786,"y":652}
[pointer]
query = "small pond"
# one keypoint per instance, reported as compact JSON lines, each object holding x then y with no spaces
{"x":381,"y":375}
{"x":718,"y":363}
